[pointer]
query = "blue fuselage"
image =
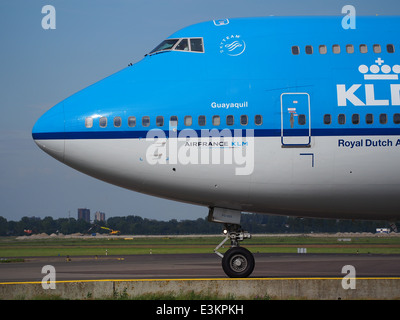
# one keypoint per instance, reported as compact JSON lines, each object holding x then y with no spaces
{"x":306,"y":86}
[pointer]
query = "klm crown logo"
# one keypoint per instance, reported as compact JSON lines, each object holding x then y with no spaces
{"x":380,"y":71}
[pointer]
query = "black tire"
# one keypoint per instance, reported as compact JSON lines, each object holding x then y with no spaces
{"x":238,"y":262}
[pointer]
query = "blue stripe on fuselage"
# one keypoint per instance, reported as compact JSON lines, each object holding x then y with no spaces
{"x":136,"y":134}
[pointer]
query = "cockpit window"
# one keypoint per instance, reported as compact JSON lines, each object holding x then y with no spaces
{"x":196,"y":45}
{"x":165,"y":45}
{"x":181,"y":44}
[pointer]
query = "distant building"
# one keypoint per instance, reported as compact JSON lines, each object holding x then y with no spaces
{"x":84,"y":214}
{"x":100,"y":216}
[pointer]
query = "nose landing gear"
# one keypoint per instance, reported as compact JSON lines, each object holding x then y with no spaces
{"x":237,"y":262}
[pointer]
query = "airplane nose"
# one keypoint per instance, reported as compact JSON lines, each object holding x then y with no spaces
{"x":49,"y":132}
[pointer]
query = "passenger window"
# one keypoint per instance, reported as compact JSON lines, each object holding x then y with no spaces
{"x":323,"y":49}
{"x":117,"y":122}
{"x":188,"y":121}
{"x":396,"y":118}
{"x":216,"y":120}
{"x":377,"y":48}
{"x":336,"y":49}
{"x":145,"y":121}
{"x":132,"y":122}
{"x":229,"y":120}
{"x":89,"y":122}
{"x":183,"y":45}
{"x":295,"y":50}
{"x":383,"y":118}
{"x":244,"y":120}
{"x":327,"y":119}
{"x":173,"y":121}
{"x":309,"y":50}
{"x":350,"y":48}
{"x":355,"y":118}
{"x":363,"y":48}
{"x":258,"y":119}
{"x":369,"y":118}
{"x":202,"y":120}
{"x":196,"y":45}
{"x":103,"y":122}
{"x":342,"y":118}
{"x":302,"y":119}
{"x":159,"y":121}
{"x":390,"y":48}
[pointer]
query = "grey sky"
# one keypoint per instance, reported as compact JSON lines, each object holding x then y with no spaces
{"x":93,"y":39}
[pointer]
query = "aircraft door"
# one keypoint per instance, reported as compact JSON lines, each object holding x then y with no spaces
{"x":295,"y":120}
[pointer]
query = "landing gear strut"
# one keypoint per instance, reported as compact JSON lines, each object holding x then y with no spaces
{"x":237,"y":262}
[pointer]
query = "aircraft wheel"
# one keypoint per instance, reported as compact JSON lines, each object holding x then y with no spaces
{"x":238,"y":262}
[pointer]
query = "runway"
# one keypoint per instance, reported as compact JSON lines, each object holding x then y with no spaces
{"x":197,"y":266}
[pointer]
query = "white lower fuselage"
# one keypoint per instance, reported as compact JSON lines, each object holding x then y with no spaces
{"x":336,"y":177}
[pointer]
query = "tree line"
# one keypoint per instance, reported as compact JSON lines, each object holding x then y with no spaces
{"x":254,"y":223}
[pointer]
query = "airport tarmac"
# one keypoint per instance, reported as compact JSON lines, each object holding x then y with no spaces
{"x":195,"y":266}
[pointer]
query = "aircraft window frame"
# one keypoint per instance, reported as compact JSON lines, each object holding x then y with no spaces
{"x":145,"y":121}
{"x":173,"y":121}
{"x":157,"y":48}
{"x":369,"y":118}
{"x":341,"y":119}
{"x":383,"y":118}
{"x":323,"y":49}
{"x":355,"y":118}
{"x":302,"y":119}
{"x":187,"y":47}
{"x":117,"y":122}
{"x":396,"y":118}
{"x":260,"y":122}
{"x":244,"y":120}
{"x":131,"y":122}
{"x":390,"y":48}
{"x":377,"y":48}
{"x":103,"y":122}
{"x":327,"y":119}
{"x":89,"y":122}
{"x":295,"y":50}
{"x":363,"y":48}
{"x":336,"y":49}
{"x":201,"y":43}
{"x":309,"y":49}
{"x":188,"y":120}
{"x":349,"y":48}
{"x":202,"y":121}
{"x":216,"y":120}
{"x":159,"y":121}
{"x":177,"y":42}
{"x":230,"y":120}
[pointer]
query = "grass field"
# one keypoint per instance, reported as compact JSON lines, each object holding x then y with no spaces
{"x":11,"y":247}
